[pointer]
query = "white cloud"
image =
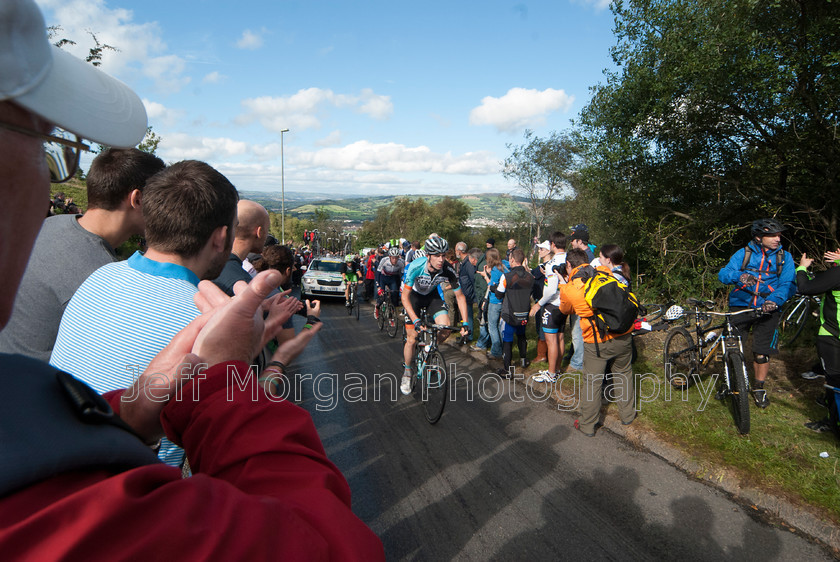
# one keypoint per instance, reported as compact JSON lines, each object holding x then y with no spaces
{"x":303,"y":110}
{"x":178,"y":146}
{"x":333,"y":139}
{"x":140,"y":46}
{"x":599,"y":5}
{"x":520,"y":108}
{"x":250,"y":40}
{"x":213,"y":78}
{"x":365,"y":156}
{"x":160,"y":114}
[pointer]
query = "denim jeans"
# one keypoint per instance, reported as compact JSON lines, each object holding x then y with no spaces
{"x":576,"y":362}
{"x":494,"y":315}
{"x":469,"y":319}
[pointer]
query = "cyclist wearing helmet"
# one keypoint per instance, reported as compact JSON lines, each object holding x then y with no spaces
{"x":390,"y":272}
{"x":763,"y":274}
{"x":420,"y":291}
{"x":350,"y":273}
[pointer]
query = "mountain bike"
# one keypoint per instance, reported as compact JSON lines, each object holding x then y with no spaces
{"x":353,"y":300}
{"x":685,"y":356}
{"x":387,"y":314}
{"x":431,"y":381}
{"x":796,"y":312}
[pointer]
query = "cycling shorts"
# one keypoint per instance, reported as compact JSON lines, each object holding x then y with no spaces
{"x":352,"y":277}
{"x":552,"y":321}
{"x":765,"y":335}
{"x":434,"y":305}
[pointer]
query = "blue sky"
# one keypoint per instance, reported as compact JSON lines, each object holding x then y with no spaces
{"x":380,"y":97}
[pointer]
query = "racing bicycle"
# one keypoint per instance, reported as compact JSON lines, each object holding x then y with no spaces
{"x":387,"y":314}
{"x":430,"y":382}
{"x":353,"y":307}
{"x":685,"y":356}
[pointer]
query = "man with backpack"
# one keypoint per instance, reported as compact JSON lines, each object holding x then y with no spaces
{"x":606,"y":334}
{"x":764,"y":277}
{"x":515,"y":291}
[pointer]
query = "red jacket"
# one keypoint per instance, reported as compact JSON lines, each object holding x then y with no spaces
{"x":262,"y":489}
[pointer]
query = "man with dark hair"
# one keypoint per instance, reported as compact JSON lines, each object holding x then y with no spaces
{"x":70,"y":247}
{"x":190,"y":212}
{"x":515,"y":291}
{"x":81,"y":463}
{"x":598,"y":349}
{"x":466,"y":278}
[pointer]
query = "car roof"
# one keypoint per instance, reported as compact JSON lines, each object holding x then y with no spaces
{"x":334,"y":260}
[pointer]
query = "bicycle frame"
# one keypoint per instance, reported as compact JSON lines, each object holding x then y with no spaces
{"x":728,"y":339}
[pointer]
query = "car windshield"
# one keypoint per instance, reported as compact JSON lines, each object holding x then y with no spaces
{"x":325,"y":266}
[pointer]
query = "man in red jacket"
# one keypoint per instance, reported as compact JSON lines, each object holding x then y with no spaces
{"x":76,"y":481}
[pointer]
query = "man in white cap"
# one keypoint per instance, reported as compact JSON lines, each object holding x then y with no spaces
{"x":78,"y":481}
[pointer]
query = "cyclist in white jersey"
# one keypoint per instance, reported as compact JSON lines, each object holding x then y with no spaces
{"x":552,"y":321}
{"x":420,"y":291}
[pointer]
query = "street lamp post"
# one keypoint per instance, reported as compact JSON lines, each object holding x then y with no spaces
{"x":282,"y":190}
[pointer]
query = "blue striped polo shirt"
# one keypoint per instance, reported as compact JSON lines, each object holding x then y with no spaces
{"x":119,"y":319}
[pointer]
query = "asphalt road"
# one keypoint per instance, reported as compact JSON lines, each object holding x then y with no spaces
{"x":505,"y":476}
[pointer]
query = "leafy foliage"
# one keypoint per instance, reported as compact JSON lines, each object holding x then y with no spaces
{"x":720,"y":113}
{"x":415,"y":220}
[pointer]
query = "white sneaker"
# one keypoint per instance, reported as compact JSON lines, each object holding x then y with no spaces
{"x":405,"y":385}
{"x":544,"y":376}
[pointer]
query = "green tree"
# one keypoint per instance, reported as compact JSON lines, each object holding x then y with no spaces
{"x":719,"y":113}
{"x":544,"y":170}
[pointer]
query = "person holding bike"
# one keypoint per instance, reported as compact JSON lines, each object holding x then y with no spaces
{"x":390,"y":273}
{"x":763,"y":275}
{"x":420,"y":291}
{"x":350,"y":273}
{"x":827,"y":284}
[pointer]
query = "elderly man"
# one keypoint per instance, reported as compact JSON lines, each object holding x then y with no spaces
{"x":66,"y":457}
{"x":466,"y":278}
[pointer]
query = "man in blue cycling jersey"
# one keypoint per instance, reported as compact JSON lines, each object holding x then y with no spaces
{"x":420,"y":291}
{"x":764,"y":275}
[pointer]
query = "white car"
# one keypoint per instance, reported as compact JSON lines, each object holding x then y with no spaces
{"x":322,"y":278}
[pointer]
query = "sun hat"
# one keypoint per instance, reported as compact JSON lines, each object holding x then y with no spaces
{"x":61,"y":88}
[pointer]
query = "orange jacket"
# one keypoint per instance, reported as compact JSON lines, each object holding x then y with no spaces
{"x":572,"y":301}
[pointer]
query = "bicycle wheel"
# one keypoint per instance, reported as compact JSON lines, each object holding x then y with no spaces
{"x":794,"y":316}
{"x":401,"y":320}
{"x":739,"y":391}
{"x":391,"y":321}
{"x":680,"y":358}
{"x":435,"y":386}
{"x":355,"y":302}
{"x":381,"y":319}
{"x":653,"y":311}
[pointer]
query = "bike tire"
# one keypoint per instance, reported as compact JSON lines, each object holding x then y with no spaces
{"x":356,"y":307}
{"x":739,"y":391}
{"x":795,"y":313}
{"x":680,"y":352}
{"x":435,"y":386}
{"x":381,"y":320}
{"x":404,"y":329}
{"x":391,"y":321}
{"x":653,"y":312}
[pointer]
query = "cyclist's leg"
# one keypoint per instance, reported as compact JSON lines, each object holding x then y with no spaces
{"x":765,"y":344}
{"x":438,"y":311}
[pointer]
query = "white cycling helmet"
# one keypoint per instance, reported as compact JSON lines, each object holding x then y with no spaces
{"x":395,"y":251}
{"x":674,"y":312}
{"x":419,"y":254}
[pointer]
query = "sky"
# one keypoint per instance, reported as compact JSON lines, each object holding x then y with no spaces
{"x":380,"y":97}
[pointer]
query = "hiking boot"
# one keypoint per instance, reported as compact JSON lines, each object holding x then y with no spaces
{"x":811,"y":376}
{"x":821,"y":401}
{"x":524,"y":362}
{"x":405,"y":385}
{"x":478,"y":348}
{"x":760,"y":397}
{"x":504,"y":373}
{"x":820,"y":426}
{"x":721,"y":393}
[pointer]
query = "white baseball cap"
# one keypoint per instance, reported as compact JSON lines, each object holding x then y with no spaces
{"x":544,"y":245}
{"x":61,"y":88}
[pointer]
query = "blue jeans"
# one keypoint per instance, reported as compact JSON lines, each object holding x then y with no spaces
{"x":576,"y":362}
{"x":494,"y":315}
{"x":469,"y":320}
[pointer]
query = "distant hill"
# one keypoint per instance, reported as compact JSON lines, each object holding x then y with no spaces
{"x":485,"y":206}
